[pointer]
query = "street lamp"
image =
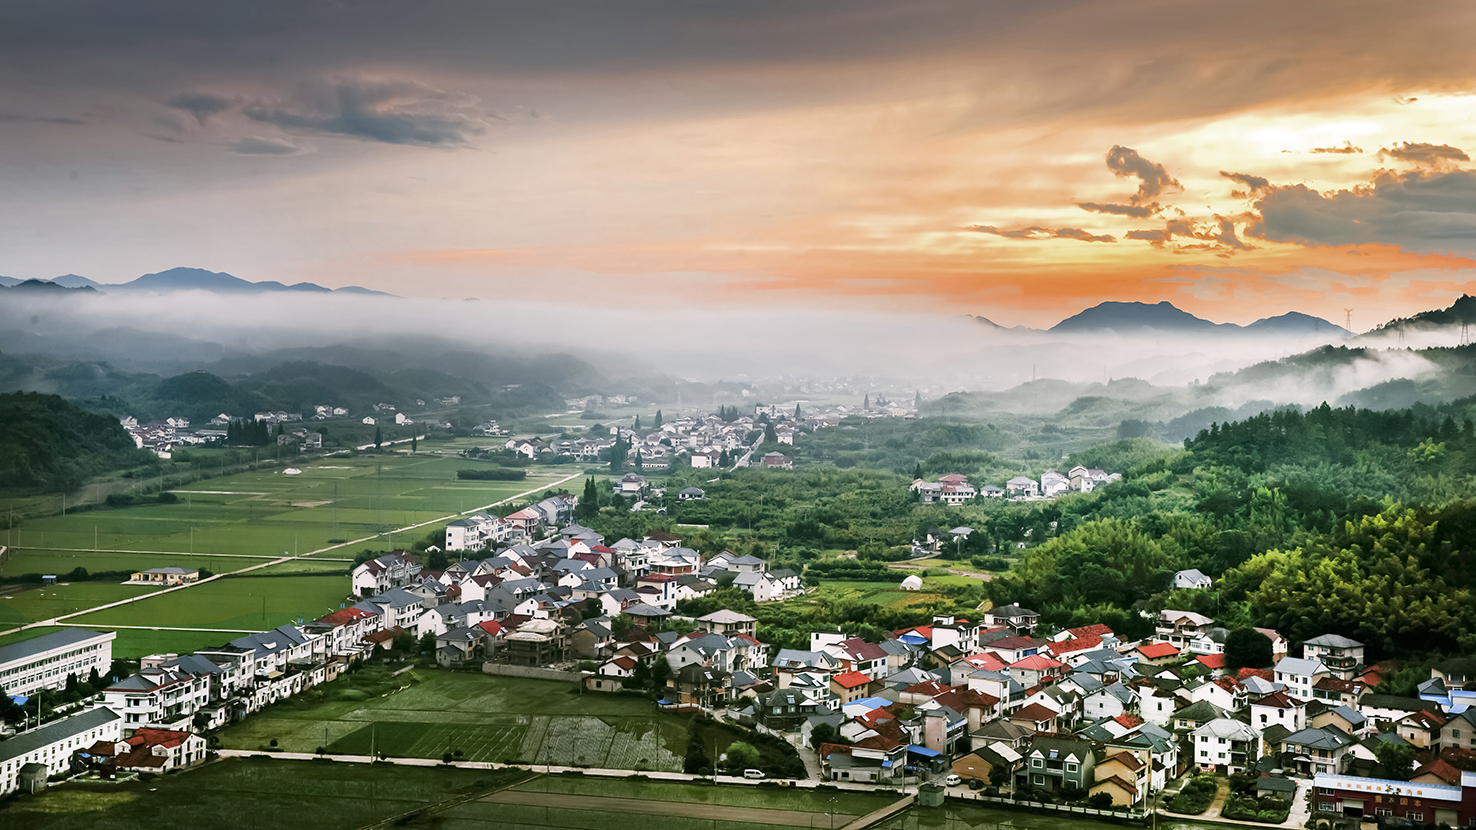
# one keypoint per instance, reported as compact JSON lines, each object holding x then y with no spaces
{"x":959,"y":535}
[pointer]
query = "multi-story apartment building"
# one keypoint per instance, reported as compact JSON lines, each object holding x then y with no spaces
{"x":45,"y":662}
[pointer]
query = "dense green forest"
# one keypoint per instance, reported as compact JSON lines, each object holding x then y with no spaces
{"x":50,"y":445}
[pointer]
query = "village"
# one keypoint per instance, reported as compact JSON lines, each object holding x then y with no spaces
{"x":996,"y":705}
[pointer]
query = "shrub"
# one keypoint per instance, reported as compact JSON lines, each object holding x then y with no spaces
{"x":1195,"y":797}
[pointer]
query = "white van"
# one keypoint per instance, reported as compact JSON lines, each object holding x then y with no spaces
{"x":753,"y":773}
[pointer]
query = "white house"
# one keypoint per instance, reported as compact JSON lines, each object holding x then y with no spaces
{"x":51,"y":746}
{"x":1020,"y":486}
{"x":45,"y":662}
{"x":1226,"y":745}
{"x":1297,"y":676}
{"x":1192,"y":579}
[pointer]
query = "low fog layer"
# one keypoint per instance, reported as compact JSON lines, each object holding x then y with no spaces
{"x":190,"y":330}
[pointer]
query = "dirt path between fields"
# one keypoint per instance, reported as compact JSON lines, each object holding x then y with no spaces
{"x":750,"y":815}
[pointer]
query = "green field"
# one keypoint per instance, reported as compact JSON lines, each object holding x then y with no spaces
{"x":62,"y":562}
{"x":133,"y":643}
{"x":265,"y":513}
{"x":245,"y":602}
{"x":250,"y":794}
{"x":487,"y":718}
{"x":335,"y":500}
{"x":260,"y":794}
{"x":20,"y":605}
{"x":809,"y":801}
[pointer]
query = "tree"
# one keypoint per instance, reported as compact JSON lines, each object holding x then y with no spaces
{"x":414,"y":442}
{"x":656,"y":424}
{"x":824,"y":733}
{"x":999,"y":775}
{"x":797,"y":414}
{"x":437,"y":560}
{"x":378,"y":437}
{"x":742,"y":755}
{"x":637,"y":425}
{"x":620,"y":626}
{"x":403,"y":644}
{"x":770,"y":436}
{"x":917,"y":400}
{"x":1397,"y":759}
{"x":428,"y":643}
{"x":660,"y":673}
{"x":917,"y":471}
{"x":866,"y":402}
{"x":1247,"y":648}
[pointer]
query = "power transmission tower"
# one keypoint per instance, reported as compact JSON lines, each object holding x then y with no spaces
{"x":1348,"y":319}
{"x":1465,"y":333}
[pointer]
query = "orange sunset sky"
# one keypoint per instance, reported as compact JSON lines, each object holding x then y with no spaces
{"x":1020,"y":161}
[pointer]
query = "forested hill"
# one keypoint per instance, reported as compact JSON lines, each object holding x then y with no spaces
{"x":47,"y":444}
{"x":1340,"y":521}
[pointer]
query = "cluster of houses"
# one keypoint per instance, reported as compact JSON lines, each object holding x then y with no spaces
{"x":554,"y":601}
{"x":1079,"y":711}
{"x":701,"y":441}
{"x":955,"y":489}
{"x":162,"y":437}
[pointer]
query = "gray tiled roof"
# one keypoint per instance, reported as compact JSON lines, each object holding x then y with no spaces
{"x":56,"y":731}
{"x":46,"y":642}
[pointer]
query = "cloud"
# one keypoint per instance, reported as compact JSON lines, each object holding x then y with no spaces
{"x":202,"y":105}
{"x":389,"y":111}
{"x":1084,"y":236}
{"x":1037,"y":232}
{"x":1153,"y":178}
{"x":1440,"y":156}
{"x":258,"y":146}
{"x":1149,"y":236}
{"x":1136,"y":211}
{"x":40,"y":119}
{"x":1418,"y":211}
{"x":1346,"y":148}
{"x":1252,"y":182}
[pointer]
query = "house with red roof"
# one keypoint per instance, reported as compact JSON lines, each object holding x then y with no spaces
{"x":1157,"y":654}
{"x":159,"y":750}
{"x":1037,"y":670}
{"x":849,"y":686}
{"x":1213,"y":664}
{"x":1035,"y":717}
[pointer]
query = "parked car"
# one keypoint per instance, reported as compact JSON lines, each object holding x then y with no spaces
{"x":753,"y":774}
{"x":952,"y":781}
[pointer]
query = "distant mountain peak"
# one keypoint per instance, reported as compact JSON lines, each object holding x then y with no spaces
{"x":1164,"y":316}
{"x":219,"y":282}
{"x":1125,"y":316}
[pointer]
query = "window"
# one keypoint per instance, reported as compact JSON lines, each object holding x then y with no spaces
{"x":1326,"y":808}
{"x":1415,"y":816}
{"x":1036,"y":763}
{"x":1071,"y":767}
{"x":1383,"y":811}
{"x":1039,"y":780}
{"x":1324,"y":791}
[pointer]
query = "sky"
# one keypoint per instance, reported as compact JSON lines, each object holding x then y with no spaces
{"x":1019,"y":161}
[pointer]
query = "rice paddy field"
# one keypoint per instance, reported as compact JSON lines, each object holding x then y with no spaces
{"x":251,"y":794}
{"x":427,"y":713}
{"x":261,"y":794}
{"x":326,"y":514}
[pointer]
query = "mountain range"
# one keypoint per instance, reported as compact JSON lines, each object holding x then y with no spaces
{"x":187,"y":279}
{"x":1167,"y":318}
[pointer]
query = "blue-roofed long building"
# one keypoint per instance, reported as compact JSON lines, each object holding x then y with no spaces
{"x":45,"y":662}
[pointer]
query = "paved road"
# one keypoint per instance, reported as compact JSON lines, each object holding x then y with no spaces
{"x":279,"y":560}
